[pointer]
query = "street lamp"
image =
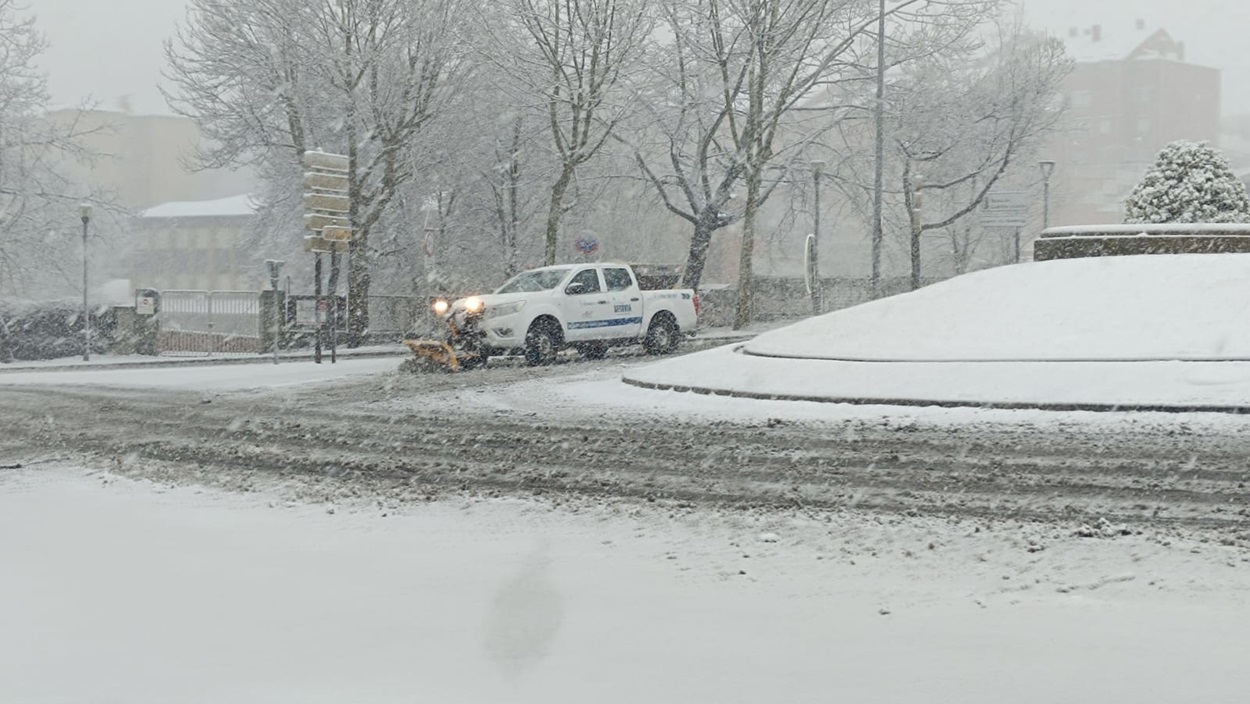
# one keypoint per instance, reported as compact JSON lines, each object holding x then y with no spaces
{"x":818,"y":165}
{"x":1048,"y":167}
{"x":84,"y":212}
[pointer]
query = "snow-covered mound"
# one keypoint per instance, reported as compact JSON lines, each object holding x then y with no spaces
{"x":1158,"y":307}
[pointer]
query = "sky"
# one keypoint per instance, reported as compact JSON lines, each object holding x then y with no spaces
{"x":107,"y":50}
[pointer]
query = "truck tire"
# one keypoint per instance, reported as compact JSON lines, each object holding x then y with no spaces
{"x":593,"y":350}
{"x":541,"y":344}
{"x":662,"y":335}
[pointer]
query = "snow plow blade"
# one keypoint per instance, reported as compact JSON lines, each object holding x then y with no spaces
{"x":430,"y":355}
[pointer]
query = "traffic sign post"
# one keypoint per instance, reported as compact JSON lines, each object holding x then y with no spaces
{"x":587,"y":245}
{"x":1008,"y":209}
{"x":327,"y":212}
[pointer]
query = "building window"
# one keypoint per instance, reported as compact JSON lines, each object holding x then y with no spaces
{"x":1143,"y":125}
{"x":1104,"y":126}
{"x":1143,"y":94}
{"x":1082,"y":99}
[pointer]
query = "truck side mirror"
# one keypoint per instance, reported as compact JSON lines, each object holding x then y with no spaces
{"x":575,"y":288}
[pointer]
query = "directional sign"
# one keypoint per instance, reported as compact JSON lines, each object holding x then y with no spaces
{"x":333,"y":181}
{"x":327,"y":202}
{"x":337,"y":234}
{"x":317,"y":159}
{"x":320,"y":221}
{"x":1006,"y":209}
{"x":316,"y":243}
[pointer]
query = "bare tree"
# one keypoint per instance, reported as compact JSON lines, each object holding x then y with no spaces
{"x":270,"y":79}
{"x":747,"y":85}
{"x":968,"y":119}
{"x":574,"y":55}
{"x":505,"y":187}
{"x":37,"y":196}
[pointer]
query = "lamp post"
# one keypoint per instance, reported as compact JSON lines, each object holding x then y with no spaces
{"x":1048,"y":168}
{"x":818,"y":165}
{"x":84,"y":212}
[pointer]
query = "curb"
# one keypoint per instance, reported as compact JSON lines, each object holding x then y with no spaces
{"x":193,"y":362}
{"x":919,"y":403}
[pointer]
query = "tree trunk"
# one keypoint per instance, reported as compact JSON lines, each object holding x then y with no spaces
{"x":513,"y":185}
{"x":555,"y":212}
{"x":358,"y":275}
{"x":914,"y":228}
{"x":915,"y":250}
{"x":696,"y":261}
{"x":746,"y":297}
{"x":358,"y":281}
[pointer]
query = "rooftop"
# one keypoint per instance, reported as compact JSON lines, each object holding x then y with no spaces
{"x":1122,"y":41}
{"x":235,"y":206}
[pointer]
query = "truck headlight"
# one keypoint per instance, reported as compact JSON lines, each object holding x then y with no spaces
{"x":440,"y":306}
{"x":505,"y":309}
{"x":473,"y":304}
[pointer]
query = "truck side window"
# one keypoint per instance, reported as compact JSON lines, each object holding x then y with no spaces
{"x":589,"y":279}
{"x":617,"y":279}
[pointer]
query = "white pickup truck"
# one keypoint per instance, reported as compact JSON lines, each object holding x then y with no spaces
{"x":589,"y":307}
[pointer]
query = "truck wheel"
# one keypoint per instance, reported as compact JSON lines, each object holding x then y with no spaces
{"x":477,"y":361}
{"x":593,"y":350}
{"x":540,"y":345}
{"x":662,"y":336}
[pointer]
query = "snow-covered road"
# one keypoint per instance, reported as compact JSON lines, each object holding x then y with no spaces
{"x":573,"y":430}
{"x":114,"y":591}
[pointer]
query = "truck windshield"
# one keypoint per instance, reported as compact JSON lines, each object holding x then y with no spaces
{"x":532,"y":281}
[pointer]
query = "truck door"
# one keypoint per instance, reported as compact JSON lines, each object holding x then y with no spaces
{"x":626,"y":301}
{"x":587,"y":310}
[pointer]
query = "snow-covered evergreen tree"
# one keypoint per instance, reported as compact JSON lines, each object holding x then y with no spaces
{"x":1190,"y":182}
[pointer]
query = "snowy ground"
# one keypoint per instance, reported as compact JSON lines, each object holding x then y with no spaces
{"x":1148,"y":332}
{"x":555,"y":535}
{"x":115,"y":591}
{"x":1156,"y":307}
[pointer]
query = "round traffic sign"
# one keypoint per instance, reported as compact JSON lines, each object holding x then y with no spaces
{"x":586,"y":244}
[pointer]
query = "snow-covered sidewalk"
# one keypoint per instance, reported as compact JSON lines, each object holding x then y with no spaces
{"x":210,"y":377}
{"x":1213,"y":386}
{"x":110,"y":361}
{"x":120,"y":591}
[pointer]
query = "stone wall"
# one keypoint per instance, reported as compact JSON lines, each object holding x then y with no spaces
{"x":1124,"y":240}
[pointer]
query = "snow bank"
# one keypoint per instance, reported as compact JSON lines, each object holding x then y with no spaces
{"x":115,"y":591}
{"x":1159,"y":307}
{"x":1215,"y":386}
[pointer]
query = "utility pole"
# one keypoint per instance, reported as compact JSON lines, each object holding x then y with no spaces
{"x":84,"y":212}
{"x":317,"y":307}
{"x":878,"y":232}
